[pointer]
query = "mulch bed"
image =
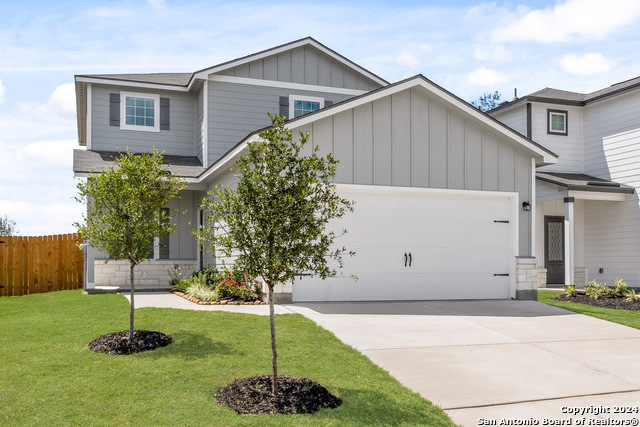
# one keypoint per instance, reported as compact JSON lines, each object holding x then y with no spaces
{"x":295,"y":396}
{"x":222,"y":301}
{"x":118,"y":342}
{"x":604,"y":302}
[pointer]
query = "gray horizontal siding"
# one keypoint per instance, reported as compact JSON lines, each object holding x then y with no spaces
{"x":236,"y":110}
{"x":199,"y":126}
{"x":305,"y":65}
{"x":409,"y":139}
{"x":569,"y":148}
{"x":179,"y":140}
{"x":515,"y":118}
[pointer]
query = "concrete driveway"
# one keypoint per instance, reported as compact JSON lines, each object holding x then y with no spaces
{"x":485,"y":361}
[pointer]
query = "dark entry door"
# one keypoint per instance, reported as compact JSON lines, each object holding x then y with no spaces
{"x":554,"y":249}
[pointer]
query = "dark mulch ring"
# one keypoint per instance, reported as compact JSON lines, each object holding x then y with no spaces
{"x":604,"y":302}
{"x":118,"y":342}
{"x":295,"y":396}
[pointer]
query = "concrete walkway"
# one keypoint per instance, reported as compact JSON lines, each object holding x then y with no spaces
{"x":484,"y":361}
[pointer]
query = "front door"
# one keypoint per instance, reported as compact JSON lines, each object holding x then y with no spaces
{"x":554,"y":249}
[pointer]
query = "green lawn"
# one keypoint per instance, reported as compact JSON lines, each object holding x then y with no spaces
{"x":624,"y":317}
{"x":49,"y":377}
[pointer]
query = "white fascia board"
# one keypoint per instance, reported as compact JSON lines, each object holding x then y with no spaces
{"x":596,"y":195}
{"x":204,"y":74}
{"x":191,"y":181}
{"x":421,"y":190}
{"x":88,"y":117}
{"x":114,"y":82}
{"x":284,"y":85}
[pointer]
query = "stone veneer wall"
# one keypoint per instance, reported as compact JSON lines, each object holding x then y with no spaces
{"x":526,"y":278}
{"x":542,"y":277}
{"x":148,"y":275}
{"x":580,"y":277}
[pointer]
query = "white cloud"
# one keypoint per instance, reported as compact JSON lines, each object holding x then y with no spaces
{"x":411,"y":58}
{"x":2,"y":90}
{"x":486,"y":77}
{"x":30,"y":221}
{"x":573,"y":19}
{"x":588,"y":64}
{"x":61,"y":105}
{"x":41,"y":157}
{"x":492,"y":53}
{"x":111,"y":12}
{"x":156,"y":4}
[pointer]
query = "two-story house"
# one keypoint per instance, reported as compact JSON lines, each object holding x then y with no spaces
{"x":587,"y":212}
{"x":440,"y":187}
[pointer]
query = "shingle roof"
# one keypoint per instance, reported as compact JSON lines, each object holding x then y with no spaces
{"x":85,"y":161}
{"x":574,"y":98}
{"x":582,"y":182}
{"x":174,"y":79}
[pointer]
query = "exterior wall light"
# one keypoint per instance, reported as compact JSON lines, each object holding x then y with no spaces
{"x":526,"y":206}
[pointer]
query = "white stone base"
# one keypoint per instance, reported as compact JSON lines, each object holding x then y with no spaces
{"x":152,"y":274}
{"x":526,"y":278}
{"x":542,"y":277}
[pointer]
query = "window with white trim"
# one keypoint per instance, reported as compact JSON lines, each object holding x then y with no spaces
{"x":140,"y":111}
{"x":299,"y":105}
{"x":557,"y":122}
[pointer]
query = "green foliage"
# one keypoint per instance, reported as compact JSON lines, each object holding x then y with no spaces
{"x":570,"y":290}
{"x":274,"y":222}
{"x":123,"y":213}
{"x":7,"y":227}
{"x":124,"y":209}
{"x":241,"y":286}
{"x":45,"y":360}
{"x":597,"y":290}
{"x":631,"y":295}
{"x":487,"y":101}
{"x":620,"y":290}
{"x":198,"y":288}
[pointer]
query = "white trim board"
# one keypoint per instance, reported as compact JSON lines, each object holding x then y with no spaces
{"x":285,"y":85}
{"x":115,"y":82}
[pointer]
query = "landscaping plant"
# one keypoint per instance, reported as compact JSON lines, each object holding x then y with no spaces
{"x":570,"y":290}
{"x":273,"y":223}
{"x":124,"y":212}
{"x":620,"y":290}
{"x":597,"y":290}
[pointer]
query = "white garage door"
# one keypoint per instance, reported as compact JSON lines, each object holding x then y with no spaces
{"x":416,"y":244}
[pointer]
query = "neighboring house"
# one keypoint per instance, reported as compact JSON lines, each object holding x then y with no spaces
{"x":439,"y":186}
{"x":587,"y":212}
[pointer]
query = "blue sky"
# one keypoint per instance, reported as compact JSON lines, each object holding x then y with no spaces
{"x":468,"y":47}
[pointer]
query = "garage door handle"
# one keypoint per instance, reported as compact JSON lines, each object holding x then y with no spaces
{"x":501,"y":274}
{"x":409,"y":259}
{"x":501,"y":221}
{"x":405,"y":259}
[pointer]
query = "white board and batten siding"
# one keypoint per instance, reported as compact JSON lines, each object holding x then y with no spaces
{"x":431,"y":181}
{"x":421,"y":244}
{"x":411,"y":140}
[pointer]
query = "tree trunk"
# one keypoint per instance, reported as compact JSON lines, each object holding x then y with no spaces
{"x":132,"y":266}
{"x":274,"y":355}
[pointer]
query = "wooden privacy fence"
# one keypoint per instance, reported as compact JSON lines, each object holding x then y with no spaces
{"x":30,"y":265}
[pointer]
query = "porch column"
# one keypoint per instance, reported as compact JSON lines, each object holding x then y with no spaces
{"x":569,"y":250}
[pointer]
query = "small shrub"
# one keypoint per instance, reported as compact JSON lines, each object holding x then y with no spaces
{"x":597,"y":290}
{"x":620,"y":290}
{"x":199,"y":289}
{"x":570,"y":290}
{"x":631,"y":296}
{"x":241,"y":286}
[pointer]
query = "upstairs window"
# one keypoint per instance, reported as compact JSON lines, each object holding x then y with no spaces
{"x":557,"y":122}
{"x":299,"y":105}
{"x":140,"y":111}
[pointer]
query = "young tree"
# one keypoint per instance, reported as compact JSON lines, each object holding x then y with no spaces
{"x":487,"y":101}
{"x":124,"y":212}
{"x":274,"y":222}
{"x":7,"y":227}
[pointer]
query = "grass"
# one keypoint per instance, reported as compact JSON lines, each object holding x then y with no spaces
{"x":49,"y":377}
{"x":623,"y":317}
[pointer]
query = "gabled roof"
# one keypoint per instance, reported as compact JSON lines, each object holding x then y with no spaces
{"x":543,"y":155}
{"x":171,"y":79}
{"x":307,"y":41}
{"x":564,"y":97}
